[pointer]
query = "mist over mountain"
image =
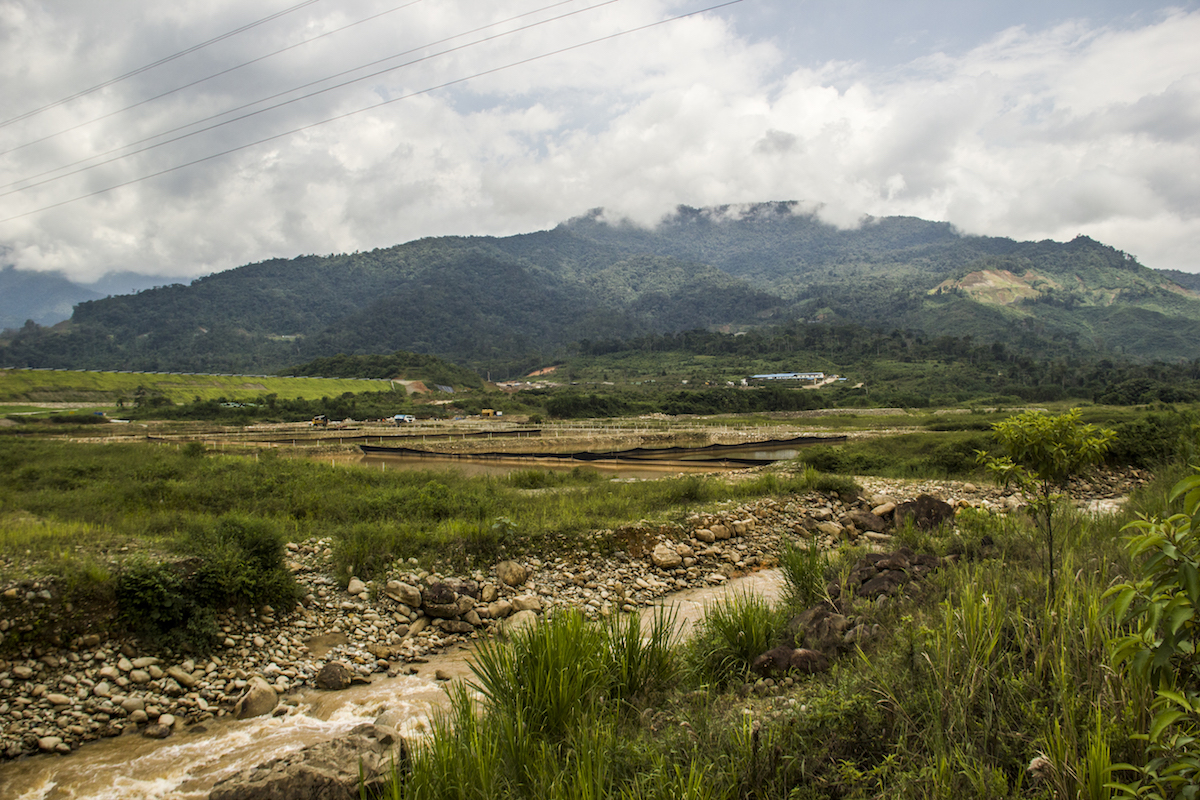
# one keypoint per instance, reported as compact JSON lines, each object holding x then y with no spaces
{"x":48,"y":298}
{"x":507,"y":304}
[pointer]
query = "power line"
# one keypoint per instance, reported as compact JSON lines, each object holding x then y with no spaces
{"x":199,"y":81}
{"x":158,"y":63}
{"x":293,"y":100}
{"x":373,"y":106}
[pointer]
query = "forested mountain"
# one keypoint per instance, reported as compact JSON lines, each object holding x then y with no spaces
{"x":43,"y":298}
{"x":505,"y":304}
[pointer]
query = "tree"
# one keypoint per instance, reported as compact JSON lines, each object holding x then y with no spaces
{"x":1041,"y":452}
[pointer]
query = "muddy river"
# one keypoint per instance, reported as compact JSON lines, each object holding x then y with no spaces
{"x":186,"y":765}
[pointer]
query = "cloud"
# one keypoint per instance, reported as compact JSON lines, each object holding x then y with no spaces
{"x":1032,"y":133}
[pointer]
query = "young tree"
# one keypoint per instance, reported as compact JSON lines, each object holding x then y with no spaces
{"x":1040,"y":453}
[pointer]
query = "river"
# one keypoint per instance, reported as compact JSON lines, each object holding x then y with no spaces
{"x":186,"y":765}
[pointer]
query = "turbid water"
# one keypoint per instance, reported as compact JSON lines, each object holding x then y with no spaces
{"x":186,"y":765}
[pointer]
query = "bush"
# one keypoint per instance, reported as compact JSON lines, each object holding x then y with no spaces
{"x":238,"y":562}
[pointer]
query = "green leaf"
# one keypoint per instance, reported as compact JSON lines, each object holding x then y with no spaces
{"x":1190,"y":581}
{"x":1162,"y":721}
{"x":1119,"y":605}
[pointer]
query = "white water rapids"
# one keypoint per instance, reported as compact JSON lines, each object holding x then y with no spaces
{"x":186,"y":765}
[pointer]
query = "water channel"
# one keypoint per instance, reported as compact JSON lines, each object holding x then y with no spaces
{"x":186,"y":765}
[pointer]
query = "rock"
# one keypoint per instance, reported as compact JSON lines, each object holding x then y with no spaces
{"x":665,"y":557}
{"x":89,"y":641}
{"x":830,"y":528}
{"x":139,"y":676}
{"x":323,"y":771}
{"x":181,"y":677}
{"x":49,"y":744}
{"x":511,"y":573}
{"x":818,"y":628}
{"x":489,"y":593}
{"x":809,"y":661}
{"x":519,"y":621}
{"x":773,"y":662}
{"x":132,"y":704}
{"x":356,"y":586}
{"x":704,"y":535}
{"x":333,"y":676}
{"x":440,"y":601}
{"x":883,"y":509}
{"x":867,"y":521}
{"x":58,"y":699}
{"x":259,"y":698}
{"x":926,"y":512}
{"x":22,"y":672}
{"x":500,"y":609}
{"x":783,"y":659}
{"x":156,"y":731}
{"x":527,"y":602}
{"x":404,"y":593}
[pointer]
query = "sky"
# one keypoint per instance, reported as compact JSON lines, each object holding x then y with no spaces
{"x":185,"y":138}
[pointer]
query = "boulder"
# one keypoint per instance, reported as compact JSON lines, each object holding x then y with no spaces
{"x":185,"y":679}
{"x":156,"y":731}
{"x":258,"y":699}
{"x":404,"y":593}
{"x":511,"y":573}
{"x":784,"y":659}
{"x":323,"y":771}
{"x":868,"y":521}
{"x":818,"y":628}
{"x":356,"y":586}
{"x":926,"y":512}
{"x":440,"y":601}
{"x":519,"y":621}
{"x":333,"y":676}
{"x":665,"y":556}
{"x":500,"y":609}
{"x":527,"y":602}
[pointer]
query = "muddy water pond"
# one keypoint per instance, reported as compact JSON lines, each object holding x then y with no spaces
{"x":186,"y":765}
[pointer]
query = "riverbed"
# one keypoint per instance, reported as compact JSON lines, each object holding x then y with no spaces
{"x":187,"y":765}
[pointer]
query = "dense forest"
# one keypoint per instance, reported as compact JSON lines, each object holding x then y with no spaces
{"x":506,"y":305}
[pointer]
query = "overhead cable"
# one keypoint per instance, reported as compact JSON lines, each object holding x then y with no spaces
{"x":446,"y":84}
{"x":158,"y":63}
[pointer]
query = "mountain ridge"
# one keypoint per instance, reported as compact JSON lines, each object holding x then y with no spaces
{"x":513,"y":303}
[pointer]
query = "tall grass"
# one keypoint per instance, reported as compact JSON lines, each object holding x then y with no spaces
{"x":735,"y":630}
{"x":806,"y":572}
{"x":546,"y":724}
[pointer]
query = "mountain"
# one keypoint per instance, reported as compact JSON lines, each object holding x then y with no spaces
{"x":511,"y":303}
{"x":43,"y":297}
{"x":48,"y":298}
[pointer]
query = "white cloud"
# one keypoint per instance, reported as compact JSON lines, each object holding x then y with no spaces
{"x":1034,"y":133}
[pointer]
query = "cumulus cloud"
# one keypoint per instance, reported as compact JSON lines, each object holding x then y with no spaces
{"x":1031,"y":133}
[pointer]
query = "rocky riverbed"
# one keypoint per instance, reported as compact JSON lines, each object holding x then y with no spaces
{"x":57,"y":694}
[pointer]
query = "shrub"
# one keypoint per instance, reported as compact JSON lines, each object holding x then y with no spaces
{"x":1160,"y":650}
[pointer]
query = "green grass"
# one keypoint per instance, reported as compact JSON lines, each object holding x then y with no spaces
{"x":967,"y":683}
{"x":103,"y":389}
